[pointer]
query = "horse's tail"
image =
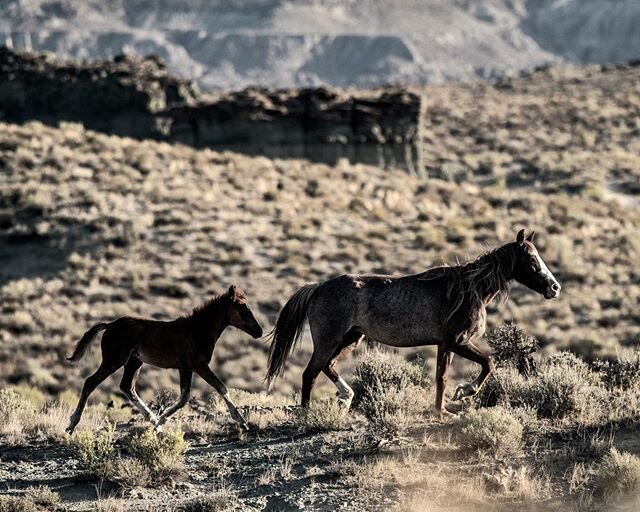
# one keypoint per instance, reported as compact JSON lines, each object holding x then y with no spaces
{"x":83,"y":344}
{"x":288,"y":329}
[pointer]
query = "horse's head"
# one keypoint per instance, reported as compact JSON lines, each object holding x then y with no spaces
{"x":531,"y":271}
{"x":240,"y":315}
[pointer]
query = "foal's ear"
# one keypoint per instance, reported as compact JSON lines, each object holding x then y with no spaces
{"x":530,"y":237}
{"x":520,"y":237}
{"x":232,"y":291}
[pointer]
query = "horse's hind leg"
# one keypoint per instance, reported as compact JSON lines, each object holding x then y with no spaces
{"x":185,"y":389}
{"x":90,"y":385}
{"x":128,"y":388}
{"x":473,"y":353}
{"x":345,"y":393}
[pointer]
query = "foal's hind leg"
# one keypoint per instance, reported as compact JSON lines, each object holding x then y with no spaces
{"x":473,"y":353}
{"x":205,"y":372}
{"x":90,"y":385}
{"x":345,"y":393}
{"x":185,"y":389}
{"x":128,"y":388}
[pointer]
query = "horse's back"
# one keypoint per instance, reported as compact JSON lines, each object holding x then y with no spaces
{"x":395,"y":310}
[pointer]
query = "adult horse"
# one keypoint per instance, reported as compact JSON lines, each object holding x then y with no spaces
{"x":185,"y":344}
{"x":444,"y":306}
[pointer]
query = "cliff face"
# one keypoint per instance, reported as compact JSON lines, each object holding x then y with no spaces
{"x":139,"y":98}
{"x":317,"y":124}
{"x":121,"y":96}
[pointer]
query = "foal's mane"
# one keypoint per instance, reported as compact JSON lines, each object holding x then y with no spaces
{"x":469,"y":282}
{"x":204,"y":311}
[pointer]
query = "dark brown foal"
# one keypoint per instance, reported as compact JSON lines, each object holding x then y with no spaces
{"x":185,"y":344}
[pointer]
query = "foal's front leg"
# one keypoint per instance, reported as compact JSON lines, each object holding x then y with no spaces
{"x":185,"y":390}
{"x":205,"y":372}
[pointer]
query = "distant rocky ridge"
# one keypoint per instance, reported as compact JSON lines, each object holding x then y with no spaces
{"x":307,"y":43}
{"x":138,"y":98}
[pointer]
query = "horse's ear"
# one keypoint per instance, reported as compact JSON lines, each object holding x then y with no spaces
{"x":520,"y":237}
{"x":232,"y":291}
{"x":531,"y":235}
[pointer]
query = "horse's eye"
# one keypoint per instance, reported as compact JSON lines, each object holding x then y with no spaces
{"x":535,"y":266}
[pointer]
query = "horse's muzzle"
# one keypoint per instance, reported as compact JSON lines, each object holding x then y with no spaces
{"x":553,"y":291}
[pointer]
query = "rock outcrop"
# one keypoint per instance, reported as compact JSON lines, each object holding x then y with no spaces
{"x":317,"y":124}
{"x":122,"y":96}
{"x":138,"y":98}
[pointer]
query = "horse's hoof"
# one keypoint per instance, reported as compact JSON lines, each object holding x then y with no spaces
{"x":446,"y":414}
{"x":459,"y":394}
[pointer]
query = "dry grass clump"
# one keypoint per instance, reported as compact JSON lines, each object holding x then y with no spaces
{"x":161,"y":452}
{"x":618,"y":474}
{"x":222,"y":499}
{"x":388,"y":391}
{"x":97,"y":451}
{"x":623,"y":372}
{"x":35,"y":499}
{"x":554,"y":393}
{"x":323,"y":415}
{"x":493,"y":430}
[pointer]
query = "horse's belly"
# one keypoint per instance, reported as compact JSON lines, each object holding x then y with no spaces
{"x":398,"y":334}
{"x":157,"y":358}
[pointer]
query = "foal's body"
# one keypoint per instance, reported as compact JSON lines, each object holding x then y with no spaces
{"x":185,"y":344}
{"x":444,"y":306}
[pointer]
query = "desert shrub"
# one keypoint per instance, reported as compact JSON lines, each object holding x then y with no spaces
{"x":563,"y":387}
{"x":619,"y":473}
{"x":622,"y":372}
{"x":133,"y":473}
{"x":221,"y":500}
{"x":17,"y":504}
{"x":162,"y":452}
{"x":96,"y":451}
{"x":510,"y":346}
{"x":31,"y":395}
{"x":12,"y":404}
{"x":492,"y":430}
{"x":388,"y":392}
{"x":322,"y":415}
{"x":43,"y":497}
{"x":379,"y":370}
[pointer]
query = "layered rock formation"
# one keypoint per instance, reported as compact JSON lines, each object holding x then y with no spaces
{"x":317,"y":124}
{"x":122,"y":96}
{"x":139,"y":98}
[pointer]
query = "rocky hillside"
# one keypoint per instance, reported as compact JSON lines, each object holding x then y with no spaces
{"x":311,"y":42}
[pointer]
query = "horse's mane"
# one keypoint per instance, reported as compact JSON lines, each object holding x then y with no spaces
{"x":469,"y":282}
{"x":204,"y":311}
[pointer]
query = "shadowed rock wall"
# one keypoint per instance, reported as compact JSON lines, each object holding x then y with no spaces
{"x":136,"y":97}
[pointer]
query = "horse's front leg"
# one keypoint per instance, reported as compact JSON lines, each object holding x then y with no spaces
{"x":443,"y":362}
{"x":472,"y":353}
{"x":205,"y":372}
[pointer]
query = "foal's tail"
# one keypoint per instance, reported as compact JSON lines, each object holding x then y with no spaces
{"x":84,"y":342}
{"x":288,"y":329}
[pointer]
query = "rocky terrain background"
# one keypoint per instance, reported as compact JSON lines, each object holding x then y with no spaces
{"x":365,"y":43}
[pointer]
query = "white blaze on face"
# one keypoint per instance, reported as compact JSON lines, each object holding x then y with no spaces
{"x":544,"y":270}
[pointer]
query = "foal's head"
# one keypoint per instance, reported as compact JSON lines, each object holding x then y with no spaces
{"x":531,"y":271}
{"x":240,"y":315}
